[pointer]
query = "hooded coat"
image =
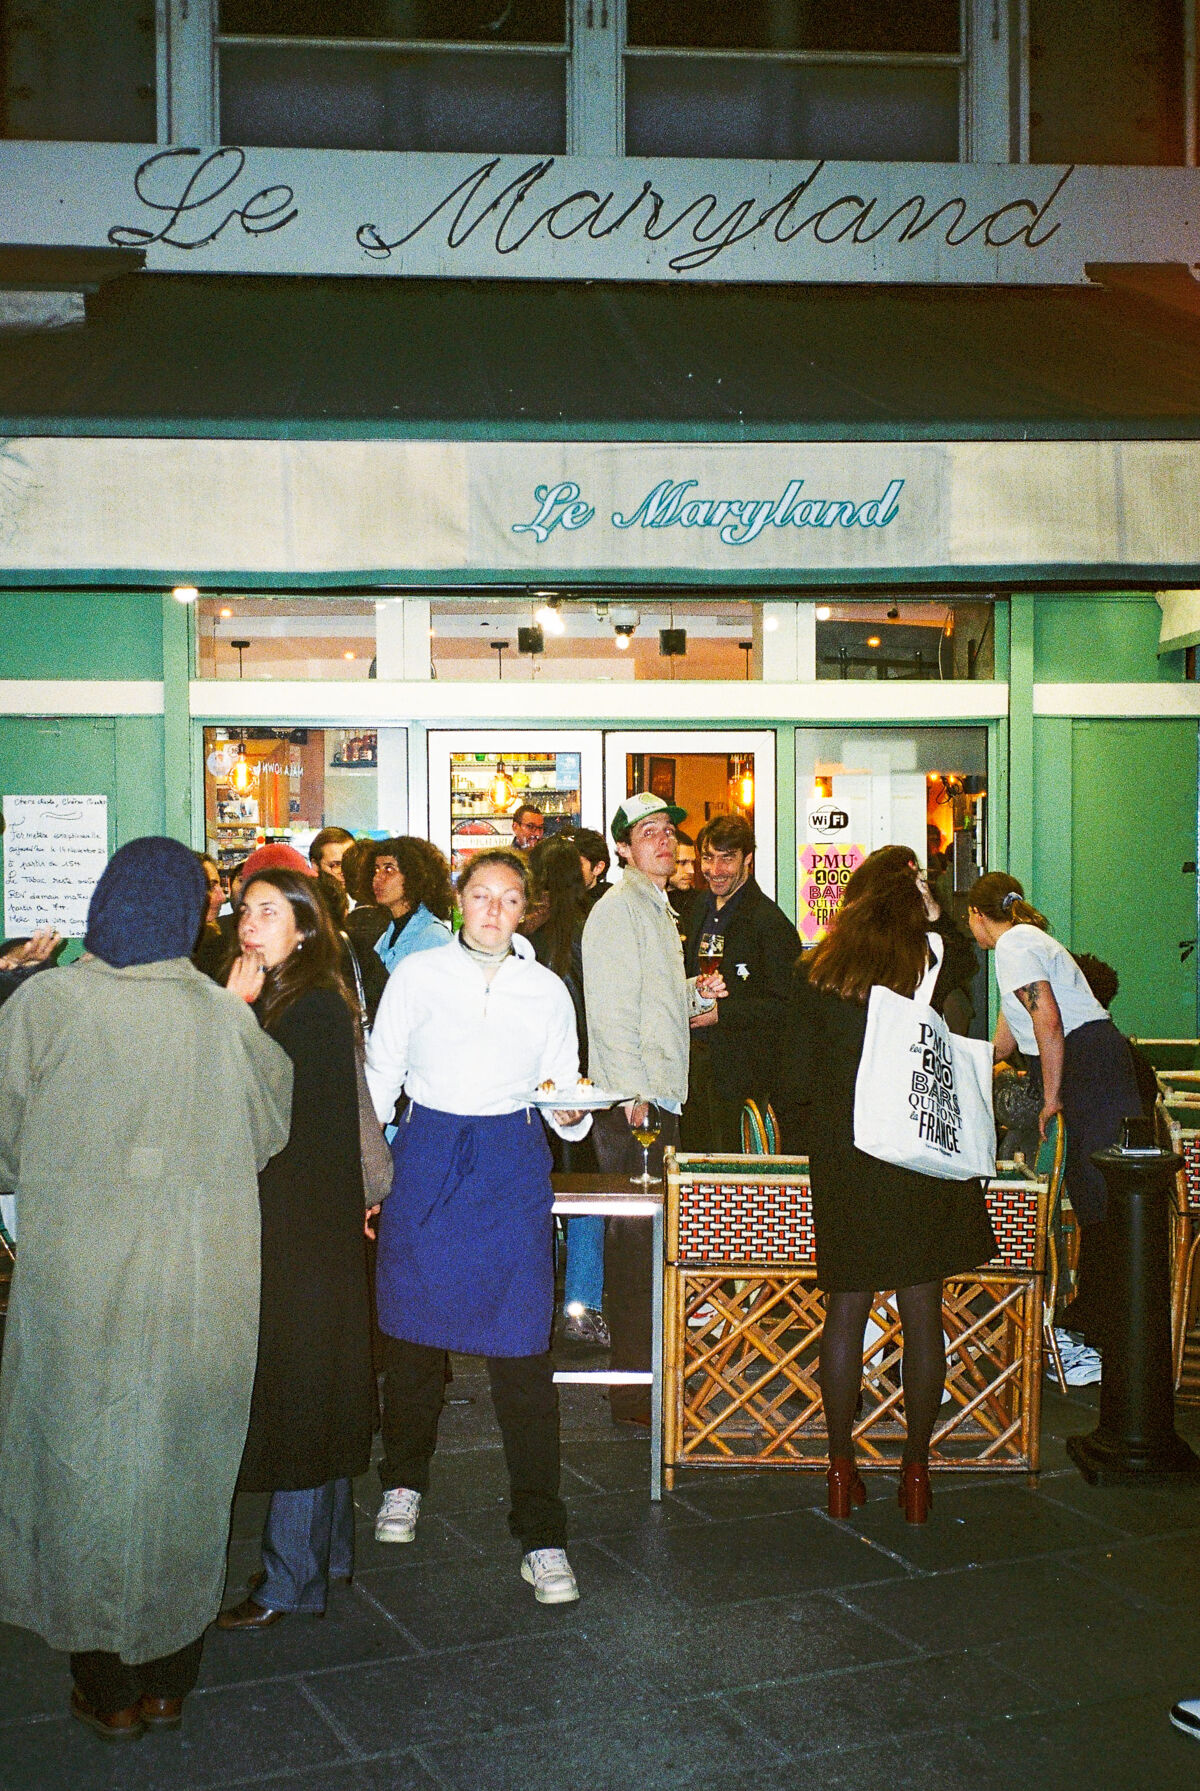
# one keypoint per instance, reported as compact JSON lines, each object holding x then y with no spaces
{"x":136,"y":1105}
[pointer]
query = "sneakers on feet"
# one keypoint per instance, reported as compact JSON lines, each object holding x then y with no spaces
{"x":548,"y":1571}
{"x":1186,"y":1716}
{"x":583,"y":1324}
{"x":1084,"y":1369}
{"x":396,"y":1520}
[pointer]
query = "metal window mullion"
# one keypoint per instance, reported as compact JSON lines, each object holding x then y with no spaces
{"x":1189,"y":88}
{"x":186,"y":72}
{"x":377,"y":46}
{"x":809,"y":58}
{"x":596,"y":79}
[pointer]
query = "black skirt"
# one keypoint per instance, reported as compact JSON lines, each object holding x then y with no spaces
{"x":877,"y":1226}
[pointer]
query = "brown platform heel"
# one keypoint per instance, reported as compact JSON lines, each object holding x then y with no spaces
{"x":914,"y":1494}
{"x":845,"y":1486}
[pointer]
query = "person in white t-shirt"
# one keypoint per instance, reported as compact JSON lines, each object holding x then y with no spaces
{"x":1048,"y":1011}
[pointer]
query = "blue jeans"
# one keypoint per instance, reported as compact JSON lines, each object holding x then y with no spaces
{"x":308,"y":1539}
{"x":583,"y":1283}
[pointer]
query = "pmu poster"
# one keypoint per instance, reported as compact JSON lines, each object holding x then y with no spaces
{"x":827,"y":860}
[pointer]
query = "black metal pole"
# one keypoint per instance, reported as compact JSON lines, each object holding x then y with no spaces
{"x":1136,"y":1439}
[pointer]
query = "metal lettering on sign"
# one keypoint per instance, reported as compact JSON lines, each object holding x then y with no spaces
{"x":232,"y":209}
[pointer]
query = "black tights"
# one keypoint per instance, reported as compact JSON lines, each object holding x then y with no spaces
{"x":923,"y":1364}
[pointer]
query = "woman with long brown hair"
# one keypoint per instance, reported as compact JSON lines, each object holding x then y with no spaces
{"x":1048,"y":1012}
{"x":313,"y":1405}
{"x":877,"y":1226}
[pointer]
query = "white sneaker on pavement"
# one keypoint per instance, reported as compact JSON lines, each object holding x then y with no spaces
{"x":1186,"y":1716}
{"x":1084,"y":1369}
{"x":396,"y":1519}
{"x":548,"y":1571}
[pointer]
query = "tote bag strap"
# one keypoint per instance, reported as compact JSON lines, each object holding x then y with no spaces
{"x":927,"y":984}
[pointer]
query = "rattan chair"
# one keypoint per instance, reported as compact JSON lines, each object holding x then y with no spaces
{"x":760,"y":1130}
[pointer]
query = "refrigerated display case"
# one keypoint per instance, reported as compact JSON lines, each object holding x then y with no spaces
{"x":477,"y":782}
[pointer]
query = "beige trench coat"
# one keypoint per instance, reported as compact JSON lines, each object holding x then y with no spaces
{"x":136,"y":1107}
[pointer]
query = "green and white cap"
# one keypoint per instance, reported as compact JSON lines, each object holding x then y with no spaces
{"x":640,"y":808}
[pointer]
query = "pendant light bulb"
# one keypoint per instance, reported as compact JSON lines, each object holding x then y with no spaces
{"x":502,"y":790}
{"x":242,"y":775}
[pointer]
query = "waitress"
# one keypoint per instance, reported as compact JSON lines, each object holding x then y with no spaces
{"x":466,"y":1253}
{"x":1048,"y":1011}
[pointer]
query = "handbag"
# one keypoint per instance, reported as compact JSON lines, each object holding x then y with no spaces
{"x":923,"y":1094}
{"x":377,"y":1166}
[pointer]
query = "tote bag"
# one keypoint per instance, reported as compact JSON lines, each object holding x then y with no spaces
{"x":923,"y":1095}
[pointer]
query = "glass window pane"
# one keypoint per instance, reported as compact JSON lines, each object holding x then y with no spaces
{"x":458,"y":21}
{"x":1122,"y":101}
{"x":79,"y":70}
{"x":675,"y":106}
{"x":879,"y":25}
{"x":284,"y":784}
{"x":280,"y":638}
{"x":509,"y":104}
{"x":889,"y":639}
{"x":601,"y":641}
{"x":487,"y":789}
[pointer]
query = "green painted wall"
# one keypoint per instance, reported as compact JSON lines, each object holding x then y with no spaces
{"x":1101,"y":639}
{"x":80,"y":634}
{"x":1133,"y":827}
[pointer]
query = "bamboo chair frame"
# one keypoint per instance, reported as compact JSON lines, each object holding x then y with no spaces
{"x":742,"y":1332}
{"x":1185,"y":1230}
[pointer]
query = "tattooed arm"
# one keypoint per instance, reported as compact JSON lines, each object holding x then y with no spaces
{"x":1038,"y":1001}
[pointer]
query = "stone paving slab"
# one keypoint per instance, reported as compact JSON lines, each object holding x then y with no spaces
{"x":1026,"y":1637}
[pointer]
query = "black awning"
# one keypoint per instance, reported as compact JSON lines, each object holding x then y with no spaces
{"x":210,"y":355}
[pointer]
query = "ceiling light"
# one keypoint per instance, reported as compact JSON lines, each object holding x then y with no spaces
{"x":185,"y":593}
{"x":873,"y":640}
{"x":770,"y":624}
{"x":624,"y":615}
{"x":501,"y":789}
{"x":823,"y":612}
{"x":623,"y":633}
{"x":348,"y":655}
{"x":225,"y":614}
{"x":550,"y":615}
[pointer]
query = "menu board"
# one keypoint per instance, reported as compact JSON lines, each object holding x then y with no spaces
{"x":55,"y":848}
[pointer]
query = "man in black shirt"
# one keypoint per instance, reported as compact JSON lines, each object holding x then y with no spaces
{"x":735,"y":1045}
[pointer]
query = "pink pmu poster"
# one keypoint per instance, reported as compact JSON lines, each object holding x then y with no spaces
{"x":824,"y":874}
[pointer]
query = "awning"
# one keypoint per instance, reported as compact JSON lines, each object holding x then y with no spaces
{"x":164,"y":354}
{"x":1180,"y":622}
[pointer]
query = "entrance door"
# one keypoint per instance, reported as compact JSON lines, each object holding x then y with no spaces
{"x":707,"y":773}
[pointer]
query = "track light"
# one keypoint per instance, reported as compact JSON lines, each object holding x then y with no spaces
{"x":623,"y":632}
{"x":550,"y":616}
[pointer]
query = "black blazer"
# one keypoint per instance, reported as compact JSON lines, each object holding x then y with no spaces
{"x":761,"y":949}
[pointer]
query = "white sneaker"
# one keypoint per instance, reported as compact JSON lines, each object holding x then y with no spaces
{"x":396,"y":1519}
{"x":1186,"y":1716}
{"x":548,"y":1571}
{"x":1084,"y":1369}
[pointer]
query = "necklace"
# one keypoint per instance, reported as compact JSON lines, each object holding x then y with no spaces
{"x":481,"y":955}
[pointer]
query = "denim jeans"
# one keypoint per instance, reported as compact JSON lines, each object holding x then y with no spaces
{"x":308,"y":1539}
{"x":583,"y":1283}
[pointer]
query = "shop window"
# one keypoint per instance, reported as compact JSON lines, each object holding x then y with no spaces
{"x":601,"y":640}
{"x":263,"y":785}
{"x":475,"y":75}
{"x":861,"y":788}
{"x":282,"y":638}
{"x":79,"y":70}
{"x":867,"y":80}
{"x":889,"y":638}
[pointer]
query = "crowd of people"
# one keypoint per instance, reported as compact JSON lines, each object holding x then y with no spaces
{"x":216,"y":1290}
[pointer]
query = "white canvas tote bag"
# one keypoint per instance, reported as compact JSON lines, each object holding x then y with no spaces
{"x":923,"y":1096}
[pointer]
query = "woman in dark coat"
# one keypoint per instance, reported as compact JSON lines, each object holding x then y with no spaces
{"x":312,"y":1412}
{"x":877,"y":1226}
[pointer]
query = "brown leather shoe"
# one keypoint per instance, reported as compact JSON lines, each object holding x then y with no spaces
{"x":109,"y":1725}
{"x":161,"y":1713}
{"x":249,"y":1615}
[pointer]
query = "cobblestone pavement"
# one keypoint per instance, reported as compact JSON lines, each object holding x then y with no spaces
{"x":733,"y":1637}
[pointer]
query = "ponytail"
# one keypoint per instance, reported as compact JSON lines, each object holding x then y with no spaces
{"x":999,"y":897}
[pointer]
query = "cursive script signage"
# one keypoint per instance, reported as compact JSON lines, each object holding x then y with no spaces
{"x":737,"y":521}
{"x":239,"y":210}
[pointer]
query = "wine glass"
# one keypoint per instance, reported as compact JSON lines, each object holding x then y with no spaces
{"x":647,"y":1132}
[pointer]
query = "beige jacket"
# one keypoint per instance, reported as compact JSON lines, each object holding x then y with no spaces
{"x":638,"y":999}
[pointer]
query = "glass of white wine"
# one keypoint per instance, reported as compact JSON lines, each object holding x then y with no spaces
{"x":647,"y":1133}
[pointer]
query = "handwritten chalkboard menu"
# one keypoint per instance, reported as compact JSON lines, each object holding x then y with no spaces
{"x":55,"y":848}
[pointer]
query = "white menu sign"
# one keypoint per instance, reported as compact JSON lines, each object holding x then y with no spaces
{"x":55,"y":848}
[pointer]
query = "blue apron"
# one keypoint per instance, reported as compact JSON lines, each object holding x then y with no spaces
{"x":466,"y":1255}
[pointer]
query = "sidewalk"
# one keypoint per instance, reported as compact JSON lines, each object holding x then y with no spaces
{"x":734,"y":1637}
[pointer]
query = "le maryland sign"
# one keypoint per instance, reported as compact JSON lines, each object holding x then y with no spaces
{"x":289,"y":211}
